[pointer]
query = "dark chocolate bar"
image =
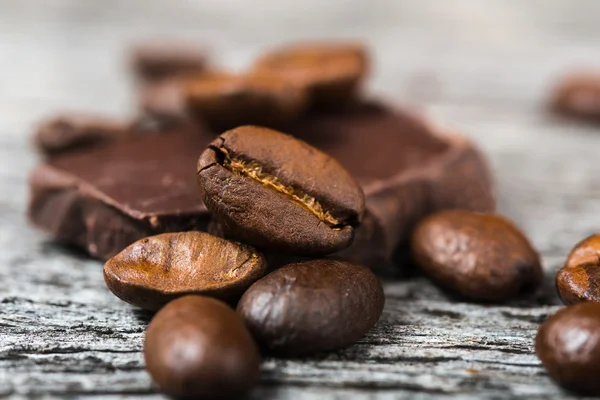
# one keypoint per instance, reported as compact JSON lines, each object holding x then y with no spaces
{"x":105,"y":199}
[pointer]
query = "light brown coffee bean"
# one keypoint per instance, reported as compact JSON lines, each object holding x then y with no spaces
{"x":158,"y":269}
{"x":579,"y":279}
{"x":578,"y":95}
{"x":331,"y":73}
{"x":225,"y":101}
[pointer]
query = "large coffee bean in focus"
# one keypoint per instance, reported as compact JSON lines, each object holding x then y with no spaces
{"x":277,"y":192}
{"x":197,"y":347}
{"x":312,"y":306}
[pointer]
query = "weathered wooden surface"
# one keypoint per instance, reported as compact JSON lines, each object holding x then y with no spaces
{"x":482,"y":67}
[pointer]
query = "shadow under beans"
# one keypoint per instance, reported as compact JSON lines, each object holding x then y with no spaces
{"x":51,"y":247}
{"x":143,"y":316}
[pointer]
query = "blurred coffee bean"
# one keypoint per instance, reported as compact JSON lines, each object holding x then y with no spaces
{"x":197,"y":347}
{"x":478,"y":255}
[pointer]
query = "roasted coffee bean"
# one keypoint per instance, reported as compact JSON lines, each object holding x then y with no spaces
{"x":277,"y":192}
{"x":159,"y":60}
{"x":579,"y":279}
{"x":330,"y":72}
{"x":578,"y":95}
{"x":225,"y":101}
{"x":480,"y":256}
{"x":157,"y":269}
{"x":66,"y":132}
{"x":197,"y":347}
{"x":312,"y":306}
{"x":568,"y":344}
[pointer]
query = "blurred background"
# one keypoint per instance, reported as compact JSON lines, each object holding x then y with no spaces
{"x":480,"y":67}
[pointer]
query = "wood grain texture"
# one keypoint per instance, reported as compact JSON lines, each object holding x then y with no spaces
{"x":482,"y":67}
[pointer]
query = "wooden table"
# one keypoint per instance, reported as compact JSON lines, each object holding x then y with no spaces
{"x":483,"y":67}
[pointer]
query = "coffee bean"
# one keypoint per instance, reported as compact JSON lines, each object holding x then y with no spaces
{"x":159,"y":60}
{"x":66,"y":132}
{"x":312,"y":306}
{"x":330,"y":72}
{"x":568,"y":344}
{"x":578,"y":95}
{"x":277,"y":192}
{"x":579,"y":279}
{"x":198,"y":347}
{"x":225,"y":101}
{"x":480,"y":256}
{"x":157,"y":269}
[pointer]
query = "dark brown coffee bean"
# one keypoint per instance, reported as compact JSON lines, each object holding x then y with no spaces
{"x":159,"y":60}
{"x":330,"y":72}
{"x":568,"y":344}
{"x":579,"y":279}
{"x":225,"y":101}
{"x":480,"y":256}
{"x":197,"y":347}
{"x":312,"y":306}
{"x":578,"y":95}
{"x":63,"y":133}
{"x":277,"y":192}
{"x":157,"y":269}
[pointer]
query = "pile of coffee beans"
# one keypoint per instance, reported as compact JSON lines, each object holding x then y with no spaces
{"x":263,"y":280}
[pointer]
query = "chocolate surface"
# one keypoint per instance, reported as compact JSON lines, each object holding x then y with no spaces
{"x":405,"y":168}
{"x":105,"y":199}
{"x":68,"y":132}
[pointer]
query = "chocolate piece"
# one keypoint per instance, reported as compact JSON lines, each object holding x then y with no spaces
{"x":312,"y":306}
{"x":105,"y":199}
{"x":481,"y":256}
{"x":198,"y":348}
{"x":155,"y":270}
{"x":74,"y":131}
{"x":406,"y":168}
{"x":578,"y":95}
{"x":579,"y":279}
{"x":225,"y":101}
{"x":330,"y":73}
{"x":159,"y":60}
